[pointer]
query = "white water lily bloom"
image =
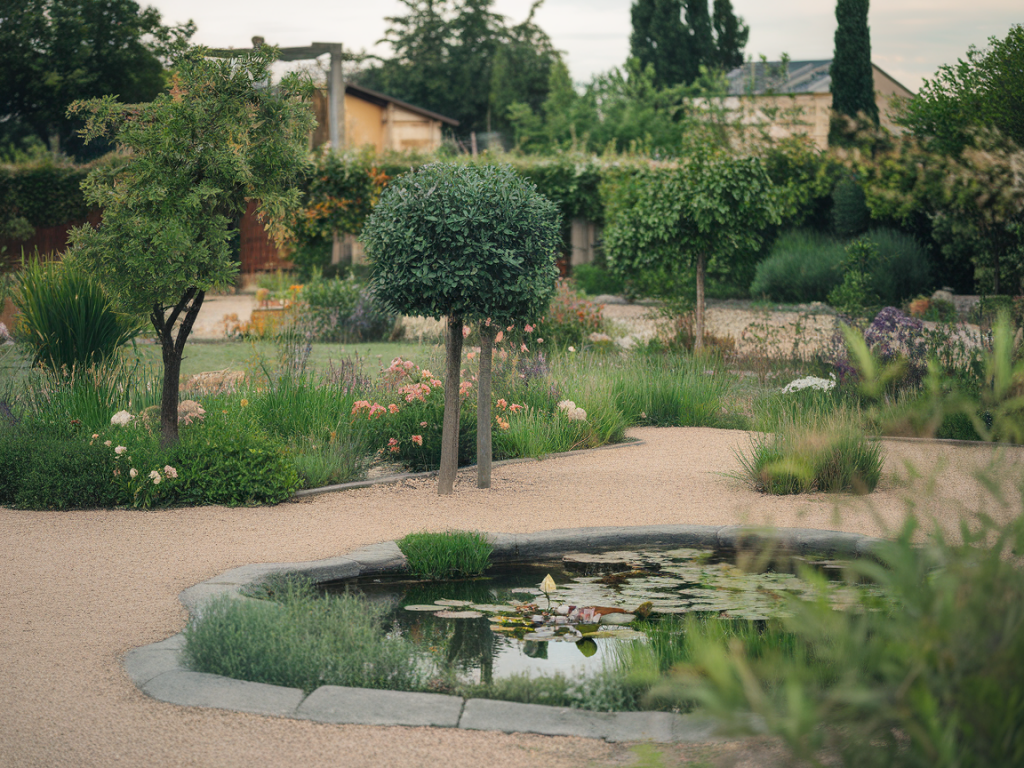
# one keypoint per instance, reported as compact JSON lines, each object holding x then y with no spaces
{"x":121,"y":418}
{"x":548,"y":585}
{"x":811,"y":382}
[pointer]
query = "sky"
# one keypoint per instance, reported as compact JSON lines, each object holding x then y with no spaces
{"x":910,"y":39}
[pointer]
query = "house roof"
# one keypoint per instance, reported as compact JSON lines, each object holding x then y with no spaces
{"x":382,"y":100}
{"x":813,"y":76}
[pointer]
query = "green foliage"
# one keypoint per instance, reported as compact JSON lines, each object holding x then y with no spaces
{"x":853,"y":89}
{"x":929,"y":677}
{"x":903,"y":268}
{"x":54,"y":51}
{"x":448,"y":555}
{"x":983,"y":89}
{"x":853,"y":296}
{"x":594,"y":280}
{"x":340,"y":310}
{"x":569,"y":319}
{"x":198,"y":154}
{"x":831,"y":455}
{"x":40,"y":194}
{"x":301,"y":640}
{"x":803,"y":266}
{"x":849,"y":210}
{"x":678,"y":50}
{"x":463,"y":241}
{"x":54,"y":469}
{"x":227,"y":459}
{"x":66,"y":317}
{"x":673,"y":391}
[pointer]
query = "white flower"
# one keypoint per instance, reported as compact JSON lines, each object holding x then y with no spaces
{"x":120,"y":449}
{"x":170,"y":471}
{"x":811,"y":382}
{"x":107,"y":443}
{"x":155,"y":476}
{"x":572,"y":349}
{"x":566,"y":406}
{"x":121,"y":418}
{"x":133,"y":472}
{"x":577,"y":414}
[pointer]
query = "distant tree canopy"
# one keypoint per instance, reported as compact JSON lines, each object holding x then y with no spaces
{"x":984,"y":90}
{"x":853,"y":84}
{"x":459,"y":58}
{"x":53,"y":52}
{"x":677,"y":49}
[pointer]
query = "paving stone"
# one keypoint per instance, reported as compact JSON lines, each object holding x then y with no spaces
{"x":505,"y":546}
{"x":198,"y":689}
{"x":143,"y":664}
{"x":194,"y":598}
{"x":332,"y":569}
{"x":385,"y":557}
{"x":512,"y":717}
{"x":660,"y":727}
{"x":363,"y":706}
{"x":172,"y":643}
{"x":246,"y":574}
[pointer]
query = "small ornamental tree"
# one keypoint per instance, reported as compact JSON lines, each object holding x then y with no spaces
{"x":464,"y":243}
{"x":196,"y":155}
{"x":709,"y":213}
{"x":853,"y":80}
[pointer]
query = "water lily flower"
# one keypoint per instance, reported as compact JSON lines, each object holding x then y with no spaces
{"x":548,"y":585}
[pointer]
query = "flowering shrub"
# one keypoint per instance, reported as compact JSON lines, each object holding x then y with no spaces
{"x":893,"y":337}
{"x":811,"y":382}
{"x":570,"y":318}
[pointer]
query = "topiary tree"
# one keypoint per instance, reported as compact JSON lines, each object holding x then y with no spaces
{"x":710,"y":212}
{"x":196,"y":155}
{"x":464,"y":243}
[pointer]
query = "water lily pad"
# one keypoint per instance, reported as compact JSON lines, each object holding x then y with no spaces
{"x":459,"y":615}
{"x":616,"y":633}
{"x":453,"y":603}
{"x":489,"y":608}
{"x":617,"y":619}
{"x":425,"y":608}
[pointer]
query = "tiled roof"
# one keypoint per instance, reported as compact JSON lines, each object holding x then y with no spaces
{"x":755,"y":78}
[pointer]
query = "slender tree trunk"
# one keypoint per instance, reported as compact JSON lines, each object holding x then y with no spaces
{"x":698,"y":340}
{"x":483,"y":409}
{"x":171,"y":348}
{"x":450,"y":424}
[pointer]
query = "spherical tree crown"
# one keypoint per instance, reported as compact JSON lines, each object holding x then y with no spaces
{"x":464,"y":241}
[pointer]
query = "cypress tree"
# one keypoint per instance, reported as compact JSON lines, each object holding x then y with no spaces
{"x":730,"y":36}
{"x":853,"y":88}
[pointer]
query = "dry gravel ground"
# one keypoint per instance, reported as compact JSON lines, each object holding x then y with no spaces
{"x":80,"y":589}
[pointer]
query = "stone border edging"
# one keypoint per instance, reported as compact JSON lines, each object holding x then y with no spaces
{"x":433,"y":472}
{"x":157,"y":671}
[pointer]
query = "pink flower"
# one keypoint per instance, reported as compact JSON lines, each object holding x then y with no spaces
{"x":464,"y":387}
{"x":522,"y":347}
{"x":470,"y":355}
{"x":465,"y":331}
{"x":120,"y":449}
{"x":502,"y":403}
{"x":171,"y":472}
{"x":392,"y":445}
{"x":435,"y":383}
{"x":528,"y":328}
{"x":514,"y":408}
{"x":417,"y":439}
{"x":393,"y":408}
{"x":540,"y":341}
{"x":423,"y":423}
{"x":426,"y":374}
{"x":499,"y":337}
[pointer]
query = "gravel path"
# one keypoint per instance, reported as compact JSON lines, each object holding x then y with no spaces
{"x":80,"y":589}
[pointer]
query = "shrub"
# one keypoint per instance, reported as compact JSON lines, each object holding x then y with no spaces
{"x":673,"y":393}
{"x":854,"y":295}
{"x":301,"y":641}
{"x":448,"y":555}
{"x":326,"y":307}
{"x":803,"y":266}
{"x":43,"y":469}
{"x":570,"y":318}
{"x":850,"y":213}
{"x":228,"y":459}
{"x":830,"y":456}
{"x":66,"y":317}
{"x":595,"y":281}
{"x":903,"y":269}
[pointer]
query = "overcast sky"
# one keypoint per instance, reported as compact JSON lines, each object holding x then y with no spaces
{"x":909,"y":38}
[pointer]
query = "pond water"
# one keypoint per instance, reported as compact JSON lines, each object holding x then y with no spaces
{"x":504,"y":623}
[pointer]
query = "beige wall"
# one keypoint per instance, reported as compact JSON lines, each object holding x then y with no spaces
{"x":363,"y":123}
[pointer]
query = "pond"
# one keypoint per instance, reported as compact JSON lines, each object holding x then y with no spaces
{"x":504,"y":622}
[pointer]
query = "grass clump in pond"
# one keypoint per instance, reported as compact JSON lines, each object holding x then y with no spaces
{"x":301,"y":640}
{"x":446,"y":555}
{"x":830,"y":454}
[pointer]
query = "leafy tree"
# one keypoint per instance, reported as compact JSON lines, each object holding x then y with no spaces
{"x":853,"y":85}
{"x":708,"y":212}
{"x":198,"y":153}
{"x":464,"y":243}
{"x":55,"y":51}
{"x":985,"y":90}
{"x":678,"y":50}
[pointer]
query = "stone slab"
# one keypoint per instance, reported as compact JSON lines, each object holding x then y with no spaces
{"x":385,"y":557}
{"x":143,"y":664}
{"x":194,"y":598}
{"x":512,"y":717}
{"x":198,"y":689}
{"x":332,"y":569}
{"x":364,"y":706}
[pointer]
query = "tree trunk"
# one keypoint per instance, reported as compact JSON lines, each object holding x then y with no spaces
{"x":698,"y":339}
{"x":450,"y":424}
{"x":483,"y":409}
{"x":171,"y":348}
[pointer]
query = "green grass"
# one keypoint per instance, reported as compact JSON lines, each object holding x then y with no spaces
{"x":300,"y":640}
{"x":447,"y":555}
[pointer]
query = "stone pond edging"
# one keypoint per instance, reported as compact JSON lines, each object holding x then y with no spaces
{"x":157,"y":671}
